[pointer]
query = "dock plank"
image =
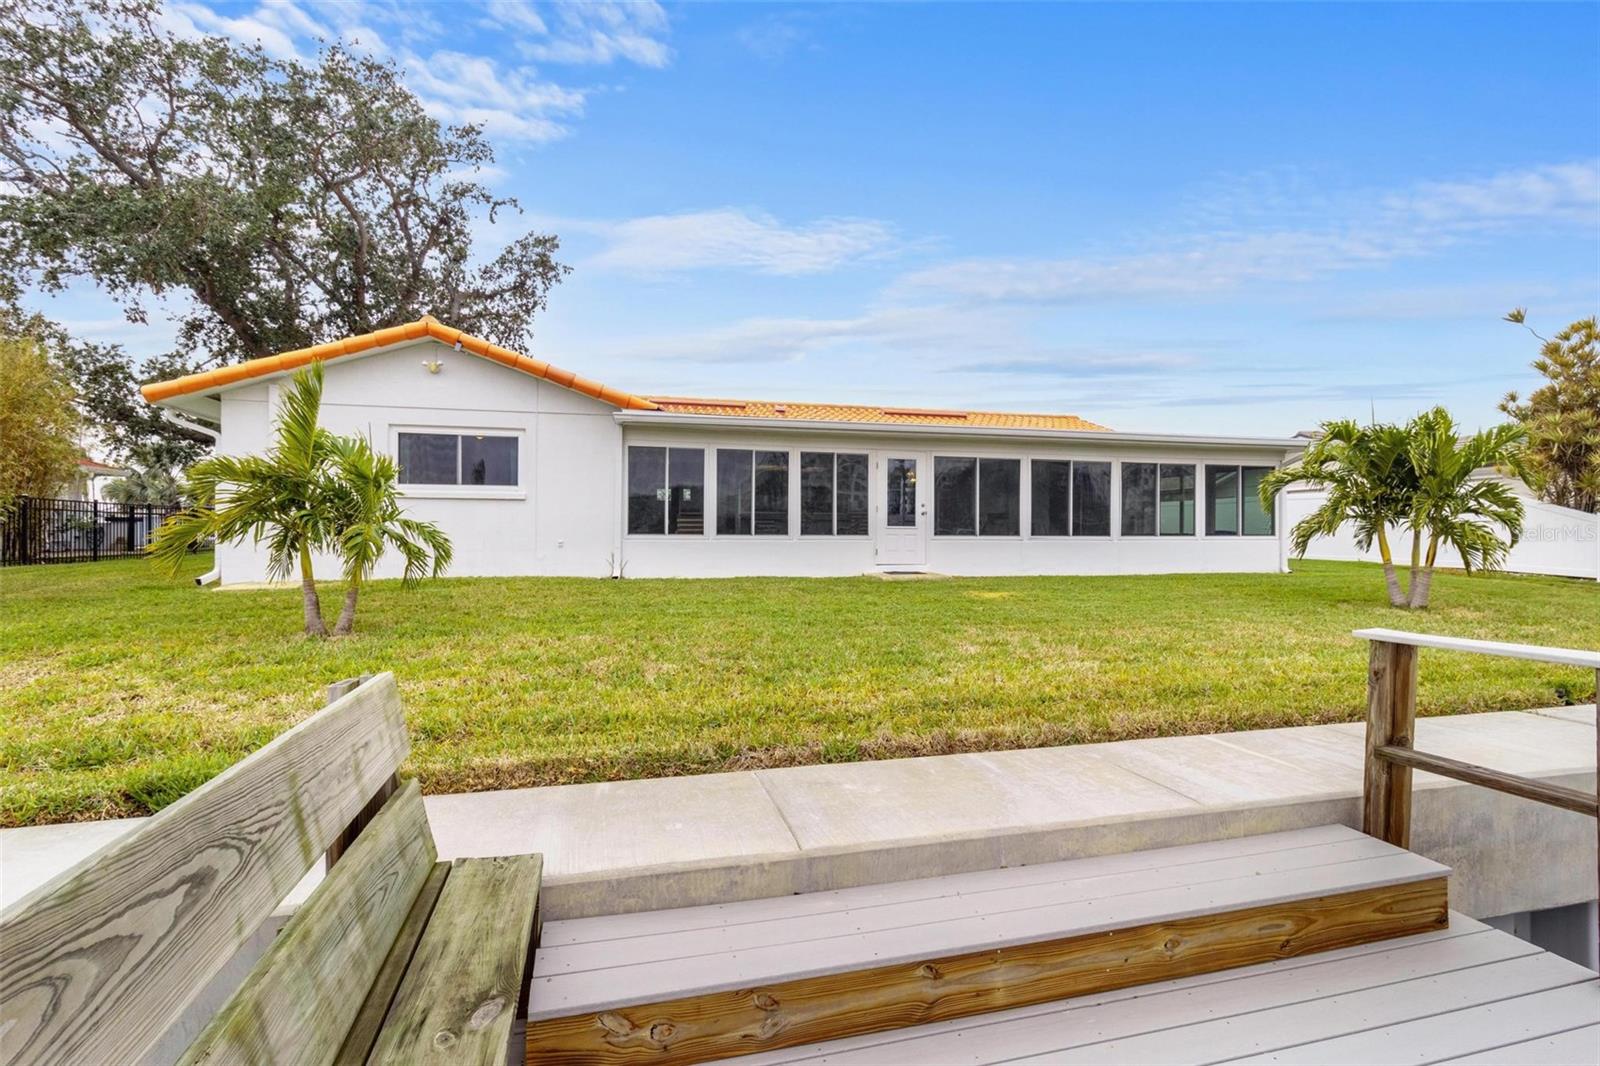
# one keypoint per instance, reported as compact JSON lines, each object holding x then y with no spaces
{"x":961,"y":898}
{"x":558,"y":934}
{"x":1572,"y":1045}
{"x":1515,"y":1018}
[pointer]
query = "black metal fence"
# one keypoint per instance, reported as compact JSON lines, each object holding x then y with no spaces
{"x":38,"y":529}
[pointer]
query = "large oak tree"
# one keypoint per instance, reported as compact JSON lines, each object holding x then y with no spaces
{"x":289,"y":203}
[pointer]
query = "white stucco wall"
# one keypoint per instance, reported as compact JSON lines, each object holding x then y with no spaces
{"x":560,"y":520}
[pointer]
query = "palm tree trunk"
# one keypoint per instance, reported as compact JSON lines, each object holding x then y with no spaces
{"x":308,"y":593}
{"x":347,"y":614}
{"x":1390,"y":577}
{"x":1419,"y":588}
{"x":1421,"y":585}
{"x":1416,"y":568}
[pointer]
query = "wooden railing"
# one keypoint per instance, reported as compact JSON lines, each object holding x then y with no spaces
{"x":1391,"y":729}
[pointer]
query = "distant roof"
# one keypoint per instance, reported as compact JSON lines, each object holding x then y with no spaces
{"x":93,"y":466}
{"x":877,"y":414}
{"x":426,"y":326}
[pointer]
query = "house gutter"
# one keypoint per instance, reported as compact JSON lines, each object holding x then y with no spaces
{"x":667,"y":418}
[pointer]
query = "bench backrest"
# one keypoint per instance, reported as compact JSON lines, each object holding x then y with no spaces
{"x":102,"y":960}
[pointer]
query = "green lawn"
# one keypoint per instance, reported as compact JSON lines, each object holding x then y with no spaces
{"x":121,"y":690}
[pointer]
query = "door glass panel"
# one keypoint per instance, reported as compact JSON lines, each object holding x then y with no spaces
{"x":901,"y":509}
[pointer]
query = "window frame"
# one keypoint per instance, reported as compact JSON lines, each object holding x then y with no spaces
{"x":458,"y":490}
{"x":666,"y":480}
{"x":1196,"y":466}
{"x":798,"y":522}
{"x":977,"y":458}
{"x":1238,"y":503}
{"x":1113,"y":493}
{"x":791,"y":484}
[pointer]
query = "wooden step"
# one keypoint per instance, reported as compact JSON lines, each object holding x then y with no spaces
{"x":703,"y":983}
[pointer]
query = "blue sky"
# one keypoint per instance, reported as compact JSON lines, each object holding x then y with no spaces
{"x":1188,"y":218}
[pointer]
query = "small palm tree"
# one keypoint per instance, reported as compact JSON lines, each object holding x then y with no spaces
{"x":369,"y":520}
{"x":1366,"y":473}
{"x":275,"y":499}
{"x":1418,"y":477}
{"x":1453,"y":507}
{"x":313,"y":491}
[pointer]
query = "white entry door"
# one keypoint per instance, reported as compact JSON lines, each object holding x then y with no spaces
{"x":903,"y":526}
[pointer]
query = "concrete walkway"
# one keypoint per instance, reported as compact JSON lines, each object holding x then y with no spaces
{"x":639,"y":845}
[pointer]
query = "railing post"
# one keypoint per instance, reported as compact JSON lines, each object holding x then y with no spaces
{"x":342,"y":843}
{"x":1391,"y":721}
{"x":94,"y":529}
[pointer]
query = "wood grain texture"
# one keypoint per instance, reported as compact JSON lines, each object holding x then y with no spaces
{"x":101,"y":960}
{"x":369,"y":1019}
{"x":459,"y":997}
{"x":301,"y":998}
{"x":726,"y":1024}
{"x":1569,"y":799}
{"x":1391,"y":721}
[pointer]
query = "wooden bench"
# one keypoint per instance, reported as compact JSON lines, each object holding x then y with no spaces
{"x":394,"y":958}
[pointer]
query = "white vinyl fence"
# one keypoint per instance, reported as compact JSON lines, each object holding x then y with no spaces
{"x":1555,"y":540}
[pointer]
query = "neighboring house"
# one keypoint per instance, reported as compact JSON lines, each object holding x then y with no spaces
{"x":531,"y":469}
{"x":89,"y":480}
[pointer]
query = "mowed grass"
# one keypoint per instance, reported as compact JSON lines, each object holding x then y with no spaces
{"x":121,"y":690}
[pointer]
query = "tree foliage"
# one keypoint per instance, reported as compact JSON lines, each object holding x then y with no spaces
{"x":1420,"y":478}
{"x":282,"y":204}
{"x":1562,"y":417}
{"x":39,"y":426}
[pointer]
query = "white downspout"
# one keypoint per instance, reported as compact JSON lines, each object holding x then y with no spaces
{"x":173,"y":417}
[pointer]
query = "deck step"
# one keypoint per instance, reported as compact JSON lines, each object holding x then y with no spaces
{"x":703,"y":983}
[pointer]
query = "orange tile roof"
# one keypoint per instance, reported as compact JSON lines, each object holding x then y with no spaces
{"x":426,"y":326}
{"x":869,"y":413}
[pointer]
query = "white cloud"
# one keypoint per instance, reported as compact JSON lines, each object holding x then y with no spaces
{"x":733,"y":238}
{"x":601,"y":33}
{"x":510,"y":101}
{"x":1417,"y":222}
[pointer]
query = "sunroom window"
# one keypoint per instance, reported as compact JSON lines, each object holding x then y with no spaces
{"x":456,"y":459}
{"x":1233,"y":502}
{"x":833,"y":494}
{"x":1177,"y":500}
{"x":980,"y":497}
{"x":666,"y":490}
{"x":752,"y":492}
{"x":1071,"y":498}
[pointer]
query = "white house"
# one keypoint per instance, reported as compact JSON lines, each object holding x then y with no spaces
{"x":533,"y":470}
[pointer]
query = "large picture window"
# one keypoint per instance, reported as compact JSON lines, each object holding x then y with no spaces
{"x":752,"y":493}
{"x":1177,"y":500}
{"x":1233,"y":502}
{"x":1071,"y":498}
{"x":833,"y":494}
{"x":1139,"y":505}
{"x":456,"y":459}
{"x":666,"y":490}
{"x":980,"y":497}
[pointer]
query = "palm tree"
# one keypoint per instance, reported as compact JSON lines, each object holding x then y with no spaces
{"x":276,"y":499}
{"x":1453,"y":507}
{"x":1419,"y":478}
{"x":1367,"y":475}
{"x":369,"y":520}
